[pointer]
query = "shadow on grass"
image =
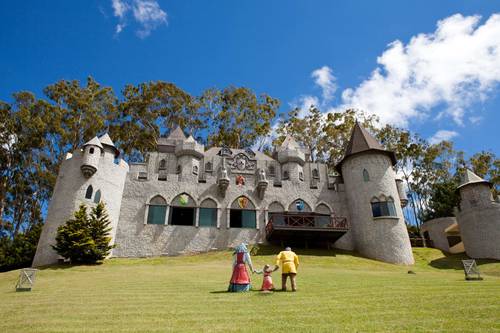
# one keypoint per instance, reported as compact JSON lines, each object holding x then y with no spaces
{"x":56,"y":267}
{"x":454,"y":261}
{"x":267,"y":250}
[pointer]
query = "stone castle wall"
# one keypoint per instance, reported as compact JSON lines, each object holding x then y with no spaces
{"x":136,"y":239}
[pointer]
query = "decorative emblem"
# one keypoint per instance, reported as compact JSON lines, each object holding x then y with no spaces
{"x":242,"y":162}
{"x":183,"y":199}
{"x":240,"y":180}
{"x":242,"y":202}
{"x":300,"y":205}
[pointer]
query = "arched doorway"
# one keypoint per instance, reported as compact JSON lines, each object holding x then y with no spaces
{"x":242,"y":214}
{"x":182,"y":210}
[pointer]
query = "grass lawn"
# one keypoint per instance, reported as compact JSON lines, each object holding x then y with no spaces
{"x":337,"y":292}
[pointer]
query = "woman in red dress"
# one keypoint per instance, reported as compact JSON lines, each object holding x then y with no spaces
{"x":240,"y":280}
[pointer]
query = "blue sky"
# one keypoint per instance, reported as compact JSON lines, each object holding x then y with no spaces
{"x":442,"y":77}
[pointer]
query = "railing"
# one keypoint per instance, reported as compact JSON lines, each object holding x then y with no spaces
{"x":307,"y":221}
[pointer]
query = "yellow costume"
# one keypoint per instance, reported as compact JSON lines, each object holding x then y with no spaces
{"x":288,"y":261}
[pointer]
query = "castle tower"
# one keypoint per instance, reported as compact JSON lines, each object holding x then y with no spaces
{"x":87,"y":176}
{"x":91,"y":155}
{"x":292,"y":159}
{"x":478,"y":218}
{"x":377,"y":221}
{"x":188,"y":153}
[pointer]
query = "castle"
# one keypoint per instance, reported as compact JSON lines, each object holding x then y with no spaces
{"x":185,"y":199}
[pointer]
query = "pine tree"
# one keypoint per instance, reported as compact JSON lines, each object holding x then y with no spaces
{"x":85,"y":239}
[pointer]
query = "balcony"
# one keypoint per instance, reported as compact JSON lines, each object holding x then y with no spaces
{"x":306,"y":228}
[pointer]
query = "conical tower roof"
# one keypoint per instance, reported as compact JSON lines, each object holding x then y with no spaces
{"x":362,"y":141}
{"x":177,"y":134}
{"x":106,"y":141}
{"x":94,"y":142}
{"x":190,"y":139}
{"x":289,"y":144}
{"x":470,"y":177}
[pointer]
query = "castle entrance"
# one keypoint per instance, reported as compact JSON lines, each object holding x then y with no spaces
{"x":182,"y":210}
{"x":242,"y":214}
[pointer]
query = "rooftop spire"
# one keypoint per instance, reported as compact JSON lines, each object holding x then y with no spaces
{"x":177,"y":134}
{"x":470,"y":177}
{"x":362,"y":141}
{"x":106,"y":141}
{"x":289,"y":143}
{"x":95,"y":142}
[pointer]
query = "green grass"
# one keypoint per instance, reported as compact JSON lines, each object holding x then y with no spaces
{"x":337,"y":292}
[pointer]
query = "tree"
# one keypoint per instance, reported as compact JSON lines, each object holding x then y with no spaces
{"x":85,"y":239}
{"x":238,"y":118}
{"x":149,"y":109}
{"x":443,"y":199}
{"x":325,"y":135}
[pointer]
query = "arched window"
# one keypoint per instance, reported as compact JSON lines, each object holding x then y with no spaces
{"x":299,"y":206}
{"x":179,"y":169}
{"x":301,"y":175}
{"x":242,"y":214}
{"x":285,"y":175}
{"x":208,"y":213}
{"x":208,"y":167}
{"x":157,"y":210}
{"x":97,"y":197}
{"x":366,"y":175}
{"x":195,"y":169}
{"x":315,"y":173}
{"x":382,"y":207}
{"x":272,"y":171}
{"x":91,"y":150}
{"x":322,"y":216}
{"x":275,"y":213}
{"x":182,"y":210}
{"x":163,"y":165}
{"x":88,"y":194}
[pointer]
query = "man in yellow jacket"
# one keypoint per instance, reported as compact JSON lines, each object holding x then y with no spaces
{"x":289,"y":263}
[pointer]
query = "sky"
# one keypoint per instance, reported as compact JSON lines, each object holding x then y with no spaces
{"x":429,"y":66}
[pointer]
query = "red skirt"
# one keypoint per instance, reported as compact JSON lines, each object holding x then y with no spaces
{"x":240,"y":274}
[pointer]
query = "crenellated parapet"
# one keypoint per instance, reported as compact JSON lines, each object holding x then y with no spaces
{"x":189,"y":147}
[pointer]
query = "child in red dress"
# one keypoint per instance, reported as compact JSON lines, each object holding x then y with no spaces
{"x":267,"y":282}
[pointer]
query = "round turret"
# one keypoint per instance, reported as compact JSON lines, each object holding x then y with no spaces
{"x":292,"y":159}
{"x":91,"y":155}
{"x":377,"y":220}
{"x":478,"y":218}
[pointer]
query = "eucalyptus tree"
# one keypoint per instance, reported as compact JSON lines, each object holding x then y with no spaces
{"x":237,"y":117}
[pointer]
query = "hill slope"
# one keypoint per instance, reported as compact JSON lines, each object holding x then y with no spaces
{"x":337,"y":292}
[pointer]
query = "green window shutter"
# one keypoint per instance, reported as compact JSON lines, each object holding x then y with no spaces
{"x":248,"y":219}
{"x":208,"y":217}
{"x":156,"y":214}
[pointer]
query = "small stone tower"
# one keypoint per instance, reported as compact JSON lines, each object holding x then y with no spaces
{"x":292,"y":160}
{"x":92,"y":151}
{"x":479,"y":218}
{"x":188,"y":154}
{"x":88,"y":176}
{"x":377,"y":221}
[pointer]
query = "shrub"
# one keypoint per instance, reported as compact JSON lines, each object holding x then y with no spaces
{"x":85,"y":239}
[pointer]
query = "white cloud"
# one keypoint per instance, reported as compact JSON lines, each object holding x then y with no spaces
{"x":149,"y":14}
{"x":146,"y":13}
{"x":442,"y":135}
{"x":324,"y":78}
{"x":303,"y":103}
{"x":119,"y":8}
{"x":455,"y":66}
